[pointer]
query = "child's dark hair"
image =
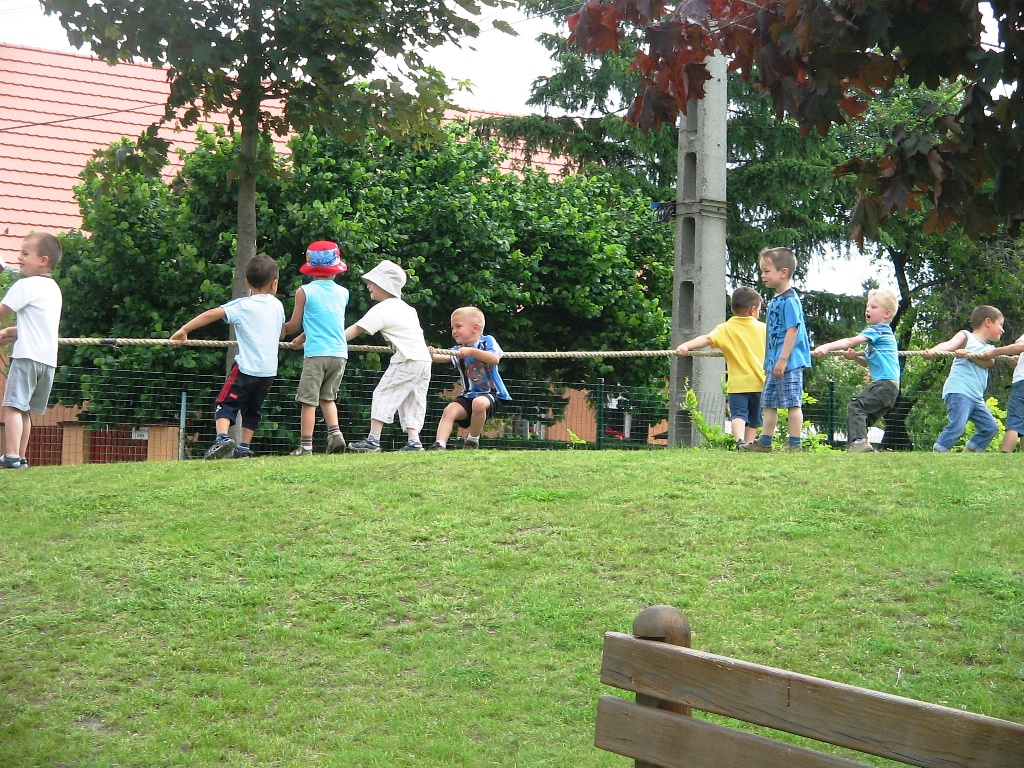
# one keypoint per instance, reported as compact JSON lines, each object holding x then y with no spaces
{"x":983,"y":313}
{"x":744,"y":299}
{"x":781,"y":258}
{"x":262,"y":270}
{"x":49,"y":246}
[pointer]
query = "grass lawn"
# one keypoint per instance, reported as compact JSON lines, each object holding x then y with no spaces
{"x":447,"y":609}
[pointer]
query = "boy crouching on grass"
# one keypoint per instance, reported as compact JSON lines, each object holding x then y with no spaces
{"x":37,"y":301}
{"x":476,"y":357}
{"x":881,"y":356}
{"x":259,"y":327}
{"x":742,"y":340}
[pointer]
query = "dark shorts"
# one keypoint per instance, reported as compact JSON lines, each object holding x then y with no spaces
{"x":746,"y":406}
{"x":243,"y":394}
{"x":467,"y":406}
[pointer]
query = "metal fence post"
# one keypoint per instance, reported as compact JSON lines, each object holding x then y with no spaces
{"x":600,"y":413}
{"x":831,"y":413}
{"x":181,"y":427}
{"x":663,"y":624}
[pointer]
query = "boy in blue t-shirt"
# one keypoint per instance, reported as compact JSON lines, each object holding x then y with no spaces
{"x":259,"y":327}
{"x":882,"y":359}
{"x":787,"y":351}
{"x":477,"y":359}
{"x":964,"y":390}
{"x":320,"y":313}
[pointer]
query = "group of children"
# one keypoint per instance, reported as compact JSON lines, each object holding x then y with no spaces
{"x":765,"y":361}
{"x":766,"y":364}
{"x":319,"y":319}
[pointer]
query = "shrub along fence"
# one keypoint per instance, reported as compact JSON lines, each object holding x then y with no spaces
{"x":131,"y":415}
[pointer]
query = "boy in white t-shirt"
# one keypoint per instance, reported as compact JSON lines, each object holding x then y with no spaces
{"x":259,"y":328}
{"x":1015,"y":408}
{"x":403,"y":387}
{"x":36,"y":300}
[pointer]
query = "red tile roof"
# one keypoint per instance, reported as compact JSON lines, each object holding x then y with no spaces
{"x":56,"y":109}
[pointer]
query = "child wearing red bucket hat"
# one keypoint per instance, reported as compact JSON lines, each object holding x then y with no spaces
{"x":320,"y":314}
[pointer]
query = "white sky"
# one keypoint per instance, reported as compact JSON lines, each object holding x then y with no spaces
{"x":502,"y":69}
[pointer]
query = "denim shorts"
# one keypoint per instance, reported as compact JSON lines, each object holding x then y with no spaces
{"x":746,"y":406}
{"x":787,"y":392}
{"x":1015,"y":410}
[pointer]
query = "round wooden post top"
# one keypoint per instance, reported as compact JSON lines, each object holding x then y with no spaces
{"x":664,"y":623}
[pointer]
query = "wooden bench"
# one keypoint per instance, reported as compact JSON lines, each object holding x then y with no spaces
{"x":669,"y":678}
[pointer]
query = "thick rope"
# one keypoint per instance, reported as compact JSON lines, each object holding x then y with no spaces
{"x":556,"y":355}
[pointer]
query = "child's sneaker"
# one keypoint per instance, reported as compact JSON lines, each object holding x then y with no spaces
{"x":411,"y":446}
{"x":366,"y":445}
{"x":222,"y":448}
{"x":793,"y":447}
{"x":471,"y":443}
{"x":860,"y":446}
{"x":336,"y":443}
{"x":302,"y":451}
{"x":243,"y":453}
{"x":438,"y":446}
{"x":756,"y":446}
{"x":13,"y":462}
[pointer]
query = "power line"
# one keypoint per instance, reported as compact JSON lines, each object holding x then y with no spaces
{"x":80,"y":117}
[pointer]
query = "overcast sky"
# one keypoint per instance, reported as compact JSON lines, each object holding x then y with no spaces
{"x":501,"y":68}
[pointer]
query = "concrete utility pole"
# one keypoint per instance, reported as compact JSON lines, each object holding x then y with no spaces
{"x":698,"y":294}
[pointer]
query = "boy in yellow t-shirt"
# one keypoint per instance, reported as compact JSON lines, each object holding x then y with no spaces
{"x":742,"y":340}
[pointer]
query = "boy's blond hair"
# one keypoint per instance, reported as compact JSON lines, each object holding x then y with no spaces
{"x":886,"y":298}
{"x":474,"y":314}
{"x":46,"y":245}
{"x":781,"y":258}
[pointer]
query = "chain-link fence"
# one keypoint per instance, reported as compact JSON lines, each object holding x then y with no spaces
{"x":139,"y":416}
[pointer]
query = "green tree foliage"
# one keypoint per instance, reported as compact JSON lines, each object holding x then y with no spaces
{"x":553,"y":264}
{"x":822,"y":62}
{"x":275,"y":66}
{"x":781,"y":186}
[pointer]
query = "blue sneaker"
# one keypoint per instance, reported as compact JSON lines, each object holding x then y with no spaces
{"x":366,"y":445}
{"x":222,"y":448}
{"x":13,"y":462}
{"x":410,"y":446}
{"x":243,"y":453}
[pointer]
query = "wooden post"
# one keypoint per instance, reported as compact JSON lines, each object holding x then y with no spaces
{"x":663,"y":624}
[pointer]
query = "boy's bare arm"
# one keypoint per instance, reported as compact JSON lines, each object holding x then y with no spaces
{"x":207,"y":317}
{"x":787,"y":348}
{"x":1009,"y":349}
{"x":480,"y":355}
{"x":959,"y":340}
{"x":294,"y":324}
{"x":832,"y":346}
{"x":352,"y":331}
{"x":7,"y":334}
{"x":696,"y":343}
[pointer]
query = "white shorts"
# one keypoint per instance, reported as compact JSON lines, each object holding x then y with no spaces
{"x":28,"y":385}
{"x":402,"y":388}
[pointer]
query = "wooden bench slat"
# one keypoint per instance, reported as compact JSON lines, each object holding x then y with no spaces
{"x":906,"y":730}
{"x":677,"y":741}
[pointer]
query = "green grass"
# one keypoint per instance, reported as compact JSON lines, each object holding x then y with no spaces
{"x":447,"y":609}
